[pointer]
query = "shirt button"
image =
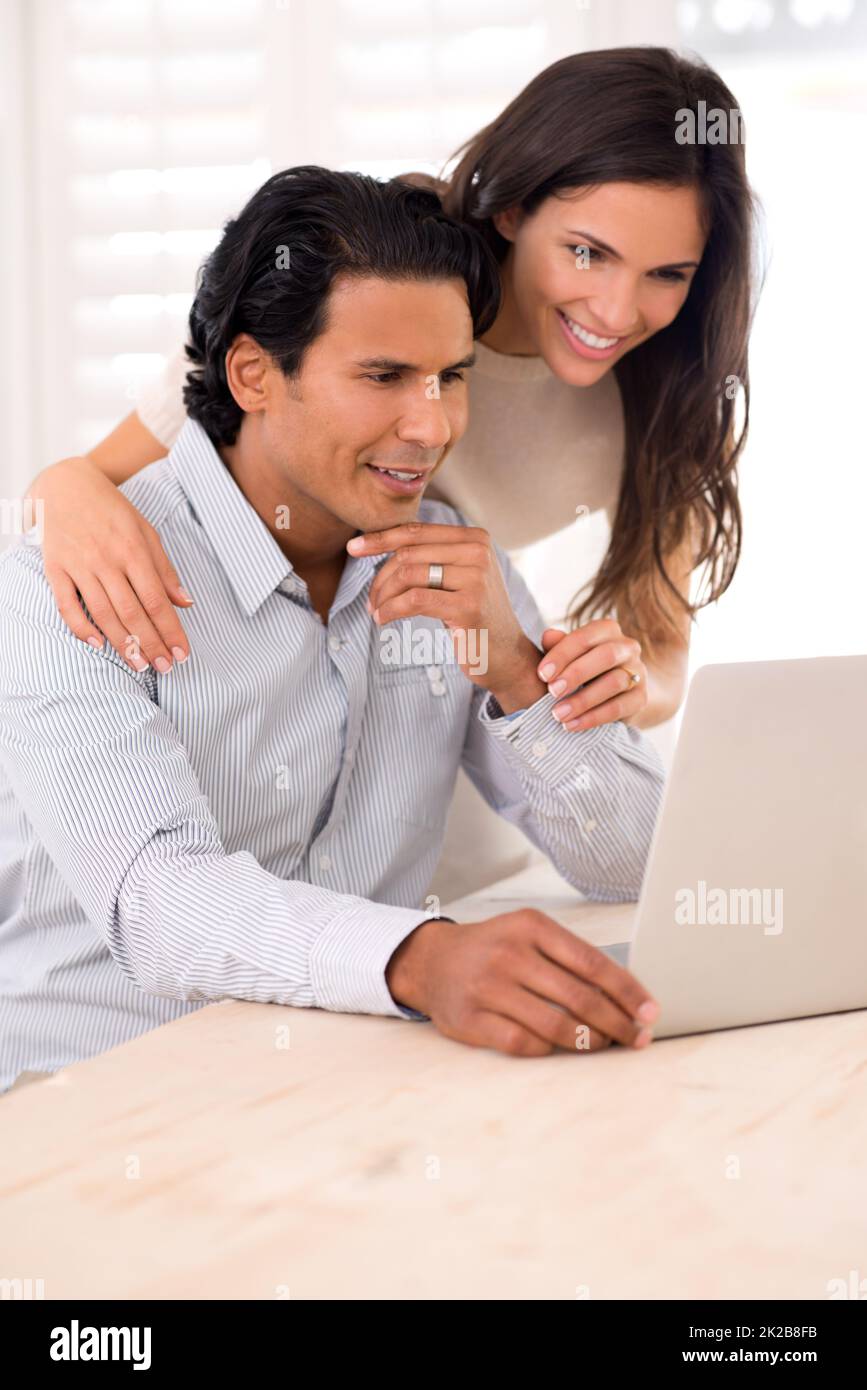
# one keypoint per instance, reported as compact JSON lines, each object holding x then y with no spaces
{"x":433,"y":673}
{"x":539,"y":750}
{"x":437,"y":688}
{"x":324,"y":861}
{"x":334,"y":644}
{"x":590,"y":824}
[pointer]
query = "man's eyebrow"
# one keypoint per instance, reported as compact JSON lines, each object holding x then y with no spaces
{"x":391,"y":364}
{"x":669,"y":265}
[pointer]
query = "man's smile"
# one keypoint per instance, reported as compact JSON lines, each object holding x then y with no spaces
{"x":400,"y":482}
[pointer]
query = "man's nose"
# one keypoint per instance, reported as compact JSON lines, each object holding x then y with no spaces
{"x":426,"y":423}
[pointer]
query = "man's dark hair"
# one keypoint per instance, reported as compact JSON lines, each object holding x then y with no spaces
{"x":272,"y":271}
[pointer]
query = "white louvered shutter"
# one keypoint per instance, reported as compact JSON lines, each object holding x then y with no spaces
{"x":153,"y":120}
{"x":152,"y":130}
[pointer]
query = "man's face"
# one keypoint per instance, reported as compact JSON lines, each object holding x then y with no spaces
{"x":384,"y":387}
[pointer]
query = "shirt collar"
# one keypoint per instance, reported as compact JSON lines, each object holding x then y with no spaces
{"x":251,"y":558}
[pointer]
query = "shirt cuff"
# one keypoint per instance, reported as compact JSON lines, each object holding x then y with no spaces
{"x":349,"y":960}
{"x":538,"y":742}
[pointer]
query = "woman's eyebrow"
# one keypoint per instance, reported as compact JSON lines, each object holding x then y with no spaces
{"x":669,"y":265}
{"x":588,"y":236}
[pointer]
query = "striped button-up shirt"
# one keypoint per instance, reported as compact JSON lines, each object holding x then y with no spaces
{"x":262,"y":822}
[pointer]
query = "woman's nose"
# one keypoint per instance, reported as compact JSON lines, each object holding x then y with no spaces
{"x":616,"y":313}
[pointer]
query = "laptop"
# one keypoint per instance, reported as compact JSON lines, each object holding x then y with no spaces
{"x":753,"y":906}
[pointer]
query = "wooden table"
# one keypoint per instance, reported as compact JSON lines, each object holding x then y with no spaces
{"x":373,"y":1158}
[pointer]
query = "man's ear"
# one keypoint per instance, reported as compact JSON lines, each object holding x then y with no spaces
{"x":508,"y":221}
{"x":247,"y":370}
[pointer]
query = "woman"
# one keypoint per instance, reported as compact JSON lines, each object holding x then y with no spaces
{"x":605,"y":382}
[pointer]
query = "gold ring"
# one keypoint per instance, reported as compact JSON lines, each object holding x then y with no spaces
{"x":633,"y":675}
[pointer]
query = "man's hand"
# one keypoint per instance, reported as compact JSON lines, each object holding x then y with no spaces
{"x":519,"y":983}
{"x":473,"y":598}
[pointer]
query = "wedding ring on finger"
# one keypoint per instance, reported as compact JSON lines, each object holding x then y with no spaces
{"x":634,"y":676}
{"x":435,"y":576}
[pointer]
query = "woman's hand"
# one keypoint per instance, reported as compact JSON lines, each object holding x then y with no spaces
{"x":96,"y":543}
{"x":596,"y":653}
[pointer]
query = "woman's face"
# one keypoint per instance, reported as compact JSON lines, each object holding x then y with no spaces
{"x":591,"y":275}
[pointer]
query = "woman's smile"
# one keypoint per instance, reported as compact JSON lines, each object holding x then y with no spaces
{"x":585,"y":343}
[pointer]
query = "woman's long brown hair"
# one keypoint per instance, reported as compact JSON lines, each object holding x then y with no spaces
{"x":606,"y":116}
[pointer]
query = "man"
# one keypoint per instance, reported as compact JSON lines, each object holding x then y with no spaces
{"x":262,"y":822}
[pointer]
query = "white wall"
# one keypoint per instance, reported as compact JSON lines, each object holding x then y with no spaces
{"x":19,"y":282}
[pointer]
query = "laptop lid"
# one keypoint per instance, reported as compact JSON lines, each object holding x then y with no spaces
{"x":754,"y":901}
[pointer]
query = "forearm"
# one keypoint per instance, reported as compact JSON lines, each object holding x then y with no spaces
{"x":129,"y":448}
{"x":667,"y":671}
{"x":667,"y":666}
{"x":666,"y":688}
{"x":194,"y":926}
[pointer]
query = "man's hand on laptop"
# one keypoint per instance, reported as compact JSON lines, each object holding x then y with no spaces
{"x":473,"y":599}
{"x":519,"y":983}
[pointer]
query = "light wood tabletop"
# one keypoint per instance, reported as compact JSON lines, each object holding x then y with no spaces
{"x":257,"y":1152}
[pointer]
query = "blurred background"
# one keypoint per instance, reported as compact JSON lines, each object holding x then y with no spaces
{"x":131,"y":129}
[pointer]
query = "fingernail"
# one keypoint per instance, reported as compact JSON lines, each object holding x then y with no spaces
{"x":649,"y":1011}
{"x":643,"y":1038}
{"x":546,"y":671}
{"x":162,"y":665}
{"x":138,"y":663}
{"x":369,"y":606}
{"x":376,"y":615}
{"x":94,"y":642}
{"x":560,"y":712}
{"x":356,"y":544}
{"x":188,"y":598}
{"x":557,"y":688}
{"x":179,"y":654}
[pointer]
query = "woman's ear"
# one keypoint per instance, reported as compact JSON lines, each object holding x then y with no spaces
{"x":508,"y":221}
